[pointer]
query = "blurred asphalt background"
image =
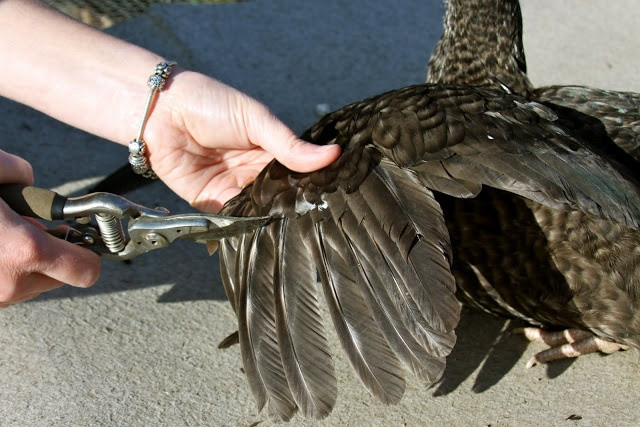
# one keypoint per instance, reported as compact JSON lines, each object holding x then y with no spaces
{"x":140,"y":347}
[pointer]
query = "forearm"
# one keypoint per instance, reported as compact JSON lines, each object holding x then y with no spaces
{"x":70,"y":71}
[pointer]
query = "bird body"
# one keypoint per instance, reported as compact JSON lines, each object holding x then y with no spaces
{"x":550,"y":267}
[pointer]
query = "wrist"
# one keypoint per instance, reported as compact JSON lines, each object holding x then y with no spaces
{"x":173,"y":107}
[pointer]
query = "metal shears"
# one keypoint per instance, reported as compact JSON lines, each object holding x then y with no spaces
{"x":99,"y":221}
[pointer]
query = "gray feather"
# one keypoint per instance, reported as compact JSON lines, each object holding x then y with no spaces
{"x":301,"y":337}
{"x":257,"y":330}
{"x":367,"y":349}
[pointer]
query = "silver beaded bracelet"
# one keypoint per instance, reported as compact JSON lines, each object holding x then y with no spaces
{"x":137,"y":148}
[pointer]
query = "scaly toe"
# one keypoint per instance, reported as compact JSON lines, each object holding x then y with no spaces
{"x":566,"y":344}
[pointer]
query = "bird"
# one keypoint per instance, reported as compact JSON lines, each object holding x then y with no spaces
{"x":372,"y":228}
{"x":594,"y":291}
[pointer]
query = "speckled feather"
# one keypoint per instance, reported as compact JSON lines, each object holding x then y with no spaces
{"x":481,"y":46}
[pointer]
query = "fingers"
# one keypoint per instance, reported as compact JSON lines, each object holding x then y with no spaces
{"x":208,"y":140}
{"x":66,"y":262}
{"x":32,"y":261}
{"x":33,"y":285}
{"x":14,"y":169}
{"x":271,"y":134}
{"x":24,"y":298}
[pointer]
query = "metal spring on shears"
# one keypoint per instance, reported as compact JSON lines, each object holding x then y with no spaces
{"x":111,"y":231}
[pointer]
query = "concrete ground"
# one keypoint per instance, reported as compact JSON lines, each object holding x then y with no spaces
{"x":140,"y":347}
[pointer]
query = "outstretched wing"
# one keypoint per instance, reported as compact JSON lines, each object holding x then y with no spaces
{"x":369,"y":227}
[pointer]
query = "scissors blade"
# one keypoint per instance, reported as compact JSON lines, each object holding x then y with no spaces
{"x":196,"y":227}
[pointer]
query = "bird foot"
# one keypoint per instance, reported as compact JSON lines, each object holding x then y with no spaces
{"x":567,"y":343}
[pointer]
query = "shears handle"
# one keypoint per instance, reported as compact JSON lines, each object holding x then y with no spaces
{"x":33,"y":201}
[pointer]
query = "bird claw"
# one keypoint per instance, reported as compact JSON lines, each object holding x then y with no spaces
{"x":566,"y":343}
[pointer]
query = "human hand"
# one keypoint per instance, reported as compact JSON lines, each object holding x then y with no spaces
{"x":31,"y":260}
{"x":207,"y":141}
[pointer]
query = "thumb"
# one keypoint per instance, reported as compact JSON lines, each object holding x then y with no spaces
{"x":276,"y":138}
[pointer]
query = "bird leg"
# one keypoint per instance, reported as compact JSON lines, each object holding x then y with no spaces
{"x":566,"y":343}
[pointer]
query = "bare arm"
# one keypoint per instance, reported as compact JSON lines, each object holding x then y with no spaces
{"x":205,"y":139}
{"x":70,"y":71}
{"x":97,"y":83}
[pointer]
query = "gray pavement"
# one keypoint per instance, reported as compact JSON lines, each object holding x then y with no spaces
{"x":140,"y":347}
